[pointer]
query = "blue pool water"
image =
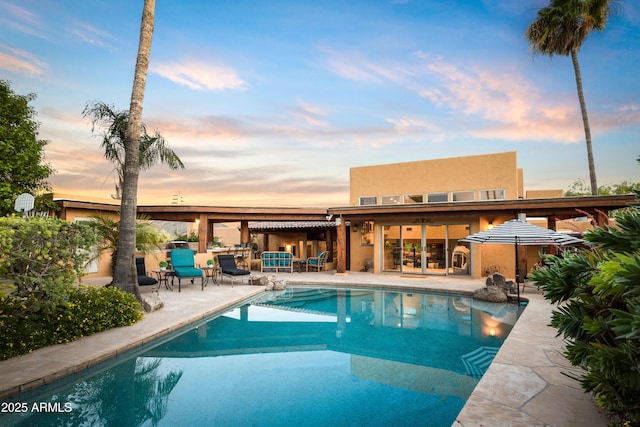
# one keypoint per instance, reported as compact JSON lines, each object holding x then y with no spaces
{"x":305,"y":356}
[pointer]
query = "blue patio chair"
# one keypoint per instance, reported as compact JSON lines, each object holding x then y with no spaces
{"x":317,"y":262}
{"x":183,"y":265}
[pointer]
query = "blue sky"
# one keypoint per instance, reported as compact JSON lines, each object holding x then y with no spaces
{"x":269,"y":103}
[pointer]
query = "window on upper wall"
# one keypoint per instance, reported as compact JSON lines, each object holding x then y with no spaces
{"x":437,"y":197}
{"x":496,"y":194}
{"x":413,"y":198}
{"x":394,"y":199}
{"x":366,"y":233}
{"x":368,"y":200}
{"x":463,"y":196}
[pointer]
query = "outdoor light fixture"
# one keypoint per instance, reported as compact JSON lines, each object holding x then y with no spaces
{"x":490,"y":226}
{"x":492,"y":332}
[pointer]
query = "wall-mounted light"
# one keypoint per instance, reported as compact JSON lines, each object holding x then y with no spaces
{"x":490,"y":226}
{"x":354,"y":227}
{"x":492,"y":332}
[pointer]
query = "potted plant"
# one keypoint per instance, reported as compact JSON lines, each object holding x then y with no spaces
{"x":210,"y":263}
{"x":163,"y":265}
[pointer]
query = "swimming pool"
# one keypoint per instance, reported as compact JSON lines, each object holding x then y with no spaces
{"x":303,"y":356}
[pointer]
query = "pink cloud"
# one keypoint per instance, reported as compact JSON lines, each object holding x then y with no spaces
{"x":19,"y":61}
{"x":199,"y":75}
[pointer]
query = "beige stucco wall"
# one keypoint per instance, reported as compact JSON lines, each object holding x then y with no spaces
{"x":544,"y":194}
{"x":104,"y":260}
{"x":481,"y":172}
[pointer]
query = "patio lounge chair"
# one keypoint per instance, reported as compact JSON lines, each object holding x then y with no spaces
{"x":317,"y":262}
{"x":143,"y":279}
{"x":183,"y":264}
{"x":229,"y":268}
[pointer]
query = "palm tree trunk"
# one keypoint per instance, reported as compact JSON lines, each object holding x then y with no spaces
{"x":124,"y":275}
{"x":585,"y":121}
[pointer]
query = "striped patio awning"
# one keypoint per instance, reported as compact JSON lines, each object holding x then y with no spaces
{"x":272,"y":226}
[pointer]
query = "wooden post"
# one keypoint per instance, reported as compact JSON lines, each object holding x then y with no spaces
{"x":244,"y":233}
{"x":202,"y":233}
{"x":342,"y":248}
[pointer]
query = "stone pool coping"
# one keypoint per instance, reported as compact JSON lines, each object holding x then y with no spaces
{"x":525,"y":384}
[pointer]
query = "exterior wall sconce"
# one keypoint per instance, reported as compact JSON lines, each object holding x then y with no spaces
{"x":490,"y":226}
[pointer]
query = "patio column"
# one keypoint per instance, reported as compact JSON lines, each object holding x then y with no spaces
{"x":203,"y":225}
{"x":244,"y":232}
{"x":342,"y":248}
{"x":551,"y":225}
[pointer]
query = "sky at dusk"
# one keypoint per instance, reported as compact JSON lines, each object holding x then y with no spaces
{"x":269,"y":103}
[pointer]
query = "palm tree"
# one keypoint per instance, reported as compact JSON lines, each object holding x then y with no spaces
{"x":124,"y":273}
{"x":153,"y":148}
{"x":560,"y":29}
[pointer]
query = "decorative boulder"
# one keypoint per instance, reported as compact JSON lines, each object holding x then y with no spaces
{"x":258,"y":280}
{"x":498,"y":280}
{"x":490,"y":294}
{"x":152,"y":303}
{"x":273,"y":284}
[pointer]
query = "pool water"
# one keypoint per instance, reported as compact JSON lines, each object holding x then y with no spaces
{"x":304,"y":356}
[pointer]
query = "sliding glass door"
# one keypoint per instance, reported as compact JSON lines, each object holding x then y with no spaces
{"x":425,"y":249}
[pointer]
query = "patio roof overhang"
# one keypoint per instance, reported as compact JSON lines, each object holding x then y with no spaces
{"x":560,"y":208}
{"x":557,"y":208}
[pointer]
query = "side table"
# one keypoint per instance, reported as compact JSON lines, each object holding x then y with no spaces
{"x":163,"y":277}
{"x":211,"y":273}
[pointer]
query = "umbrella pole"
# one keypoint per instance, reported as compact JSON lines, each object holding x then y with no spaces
{"x":517,"y":273}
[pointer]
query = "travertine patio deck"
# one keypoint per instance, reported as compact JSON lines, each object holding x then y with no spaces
{"x":523,"y":387}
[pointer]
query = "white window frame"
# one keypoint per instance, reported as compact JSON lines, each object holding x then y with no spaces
{"x":439,"y":193}
{"x":391,"y":199}
{"x":408,"y":198}
{"x":455,"y":194}
{"x":484,"y":194}
{"x":363,"y":198}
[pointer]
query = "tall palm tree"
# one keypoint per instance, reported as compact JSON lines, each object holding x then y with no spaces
{"x":153,"y":148}
{"x":124,"y":274}
{"x":560,"y":29}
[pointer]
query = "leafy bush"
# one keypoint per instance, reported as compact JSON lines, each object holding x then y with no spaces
{"x":43,"y":256}
{"x":598,"y":297}
{"x":29,"y":323}
{"x":40,"y":260}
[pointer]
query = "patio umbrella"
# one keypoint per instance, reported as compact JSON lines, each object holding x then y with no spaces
{"x":520,"y":232}
{"x":477,"y":362}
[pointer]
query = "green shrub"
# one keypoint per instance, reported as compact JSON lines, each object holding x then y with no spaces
{"x":28,"y":323}
{"x":598,"y":295}
{"x":43,"y":255}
